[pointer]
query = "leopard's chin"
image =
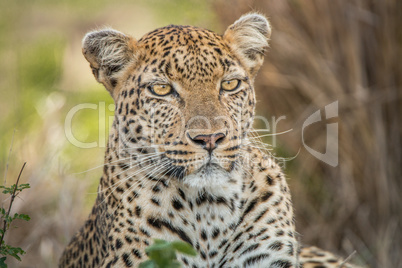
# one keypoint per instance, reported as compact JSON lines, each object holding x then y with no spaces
{"x":208,"y":175}
{"x":210,"y":172}
{"x":209,"y":169}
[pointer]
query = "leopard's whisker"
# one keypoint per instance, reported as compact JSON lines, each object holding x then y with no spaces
{"x":122,"y":181}
{"x":140,"y":161}
{"x":152,"y":146}
{"x":128,"y":178}
{"x":113,"y":162}
{"x":272,"y":134}
{"x":139,"y":180}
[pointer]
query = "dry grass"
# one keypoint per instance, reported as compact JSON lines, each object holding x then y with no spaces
{"x":351,"y":51}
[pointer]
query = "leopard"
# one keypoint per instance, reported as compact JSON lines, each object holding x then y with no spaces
{"x":180,"y":163}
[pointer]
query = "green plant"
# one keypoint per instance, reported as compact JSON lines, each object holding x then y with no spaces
{"x":6,"y":218}
{"x":162,"y":254}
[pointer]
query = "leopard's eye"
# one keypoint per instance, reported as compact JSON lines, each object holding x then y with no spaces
{"x":161,"y":89}
{"x":230,"y":85}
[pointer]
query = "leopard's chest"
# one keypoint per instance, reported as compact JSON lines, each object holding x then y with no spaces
{"x":204,"y":217}
{"x":210,"y":224}
{"x":228,"y":225}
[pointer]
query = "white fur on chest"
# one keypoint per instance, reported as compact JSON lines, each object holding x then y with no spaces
{"x":209,"y":213}
{"x":214,"y":215}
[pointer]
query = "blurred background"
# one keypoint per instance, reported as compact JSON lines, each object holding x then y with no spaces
{"x":320,"y":52}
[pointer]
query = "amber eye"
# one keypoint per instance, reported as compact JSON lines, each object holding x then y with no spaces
{"x":161,"y":89}
{"x":230,"y":85}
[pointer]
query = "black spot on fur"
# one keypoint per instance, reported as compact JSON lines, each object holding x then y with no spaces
{"x":266,"y":195}
{"x":177,"y":204}
{"x":283,"y":264}
{"x":127,"y":260}
{"x":276,"y":246}
{"x":256,"y":259}
{"x":269,"y":180}
{"x":137,"y":253}
{"x":119,"y":244}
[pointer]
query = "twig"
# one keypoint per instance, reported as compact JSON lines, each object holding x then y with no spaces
{"x":347,"y":259}
{"x":8,"y":158}
{"x":11,"y":203}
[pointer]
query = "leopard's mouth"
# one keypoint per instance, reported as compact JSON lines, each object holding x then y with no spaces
{"x":208,"y":175}
{"x":211,"y":171}
{"x":180,"y":168}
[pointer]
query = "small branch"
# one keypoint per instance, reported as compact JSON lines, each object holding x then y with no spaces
{"x":347,"y":259}
{"x":13,"y":195}
{"x":8,"y":158}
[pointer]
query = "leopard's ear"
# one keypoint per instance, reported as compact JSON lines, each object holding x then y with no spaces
{"x":248,"y":38}
{"x":108,"y":53}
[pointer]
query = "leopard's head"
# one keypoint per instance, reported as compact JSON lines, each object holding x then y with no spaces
{"x":184,"y":96}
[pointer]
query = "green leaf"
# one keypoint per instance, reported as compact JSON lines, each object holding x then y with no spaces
{"x":146,"y":264}
{"x":2,"y":262}
{"x":175,"y":264}
{"x":158,"y":245}
{"x":15,"y":255}
{"x":162,"y":257}
{"x":184,"y":248}
{"x":23,"y":186}
{"x":10,"y":190}
{"x":162,"y":254}
{"x":11,"y":251}
{"x":8,"y":218}
{"x":21,"y":217}
{"x":7,"y":190}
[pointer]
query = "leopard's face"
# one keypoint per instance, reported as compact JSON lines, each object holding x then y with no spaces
{"x":184,"y":99}
{"x":190,"y":104}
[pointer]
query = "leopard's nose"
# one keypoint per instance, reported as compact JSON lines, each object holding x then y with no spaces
{"x":208,"y":142}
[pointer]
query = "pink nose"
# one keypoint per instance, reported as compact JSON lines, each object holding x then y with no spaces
{"x":208,"y":142}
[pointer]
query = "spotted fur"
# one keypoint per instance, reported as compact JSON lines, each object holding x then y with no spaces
{"x":230,"y":200}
